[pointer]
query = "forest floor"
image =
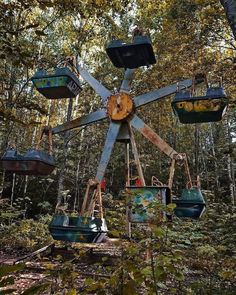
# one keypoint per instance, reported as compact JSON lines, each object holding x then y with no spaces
{"x":189,"y":257}
{"x":85,"y":260}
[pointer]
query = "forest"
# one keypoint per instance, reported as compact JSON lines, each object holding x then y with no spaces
{"x":168,"y":254}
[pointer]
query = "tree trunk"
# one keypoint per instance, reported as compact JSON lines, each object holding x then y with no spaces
{"x":77,"y":190}
{"x":2,"y":183}
{"x":230,"y":11}
{"x":9,"y":104}
{"x":230,"y":166}
{"x":65,"y":154}
{"x":217,"y":184}
{"x":13,"y":188}
{"x":196,"y":150}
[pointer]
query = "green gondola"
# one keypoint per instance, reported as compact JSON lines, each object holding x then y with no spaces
{"x":198,"y":109}
{"x":61,"y":84}
{"x":191,"y":203}
{"x":78,"y":229}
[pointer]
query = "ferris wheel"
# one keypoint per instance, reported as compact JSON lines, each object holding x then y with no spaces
{"x":120,"y":109}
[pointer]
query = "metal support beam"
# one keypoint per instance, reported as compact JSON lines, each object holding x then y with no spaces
{"x":82,"y":121}
{"x":85,"y":200}
{"x":171,"y":175}
{"x":97,"y":86}
{"x":152,"y":136}
{"x":162,"y":92}
{"x":136,"y":156}
{"x":127,"y":162}
{"x":108,"y":146}
{"x":126,"y":83}
{"x":190,"y":182}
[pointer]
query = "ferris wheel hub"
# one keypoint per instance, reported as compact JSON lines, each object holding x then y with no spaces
{"x":120,"y":106}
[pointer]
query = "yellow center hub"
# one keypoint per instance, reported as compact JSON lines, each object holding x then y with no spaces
{"x":119,"y":106}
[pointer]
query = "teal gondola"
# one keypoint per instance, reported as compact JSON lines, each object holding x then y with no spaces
{"x":61,"y":84}
{"x":199,"y":109}
{"x":78,"y":229}
{"x":191,"y":203}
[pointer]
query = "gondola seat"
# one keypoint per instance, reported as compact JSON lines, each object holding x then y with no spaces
{"x":199,"y":109}
{"x":131,"y":55}
{"x":141,"y":199}
{"x":191,"y":203}
{"x":34,"y":162}
{"x":63,"y":83}
{"x":78,"y":229}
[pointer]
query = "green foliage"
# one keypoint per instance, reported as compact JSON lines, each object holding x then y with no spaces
{"x":206,"y":251}
{"x":45,"y":207}
{"x":6,"y":277}
{"x":115,"y":217}
{"x":8,"y":213}
{"x":25,"y":235}
{"x":179,"y":257}
{"x":8,"y":269}
{"x":36,"y":289}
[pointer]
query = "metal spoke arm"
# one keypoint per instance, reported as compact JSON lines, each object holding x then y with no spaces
{"x":95,"y":84}
{"x":127,"y":81}
{"x":163,"y":92}
{"x":107,"y":150}
{"x":82,"y":121}
{"x":152,"y":136}
{"x":136,"y":156}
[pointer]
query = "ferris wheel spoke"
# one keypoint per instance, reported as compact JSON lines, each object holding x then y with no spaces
{"x":106,"y":153}
{"x":126,"y":83}
{"x":95,"y":84}
{"x":161,"y":93}
{"x":152,"y":136}
{"x":78,"y":122}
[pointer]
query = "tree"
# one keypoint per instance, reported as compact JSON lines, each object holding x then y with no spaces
{"x":230,"y":11}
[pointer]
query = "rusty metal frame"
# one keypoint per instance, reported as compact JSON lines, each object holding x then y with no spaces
{"x":90,"y":202}
{"x":115,"y":126}
{"x":172,"y":172}
{"x":127,"y":161}
{"x":156,"y":182}
{"x":164,"y":147}
{"x":136,"y":156}
{"x":152,"y":136}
